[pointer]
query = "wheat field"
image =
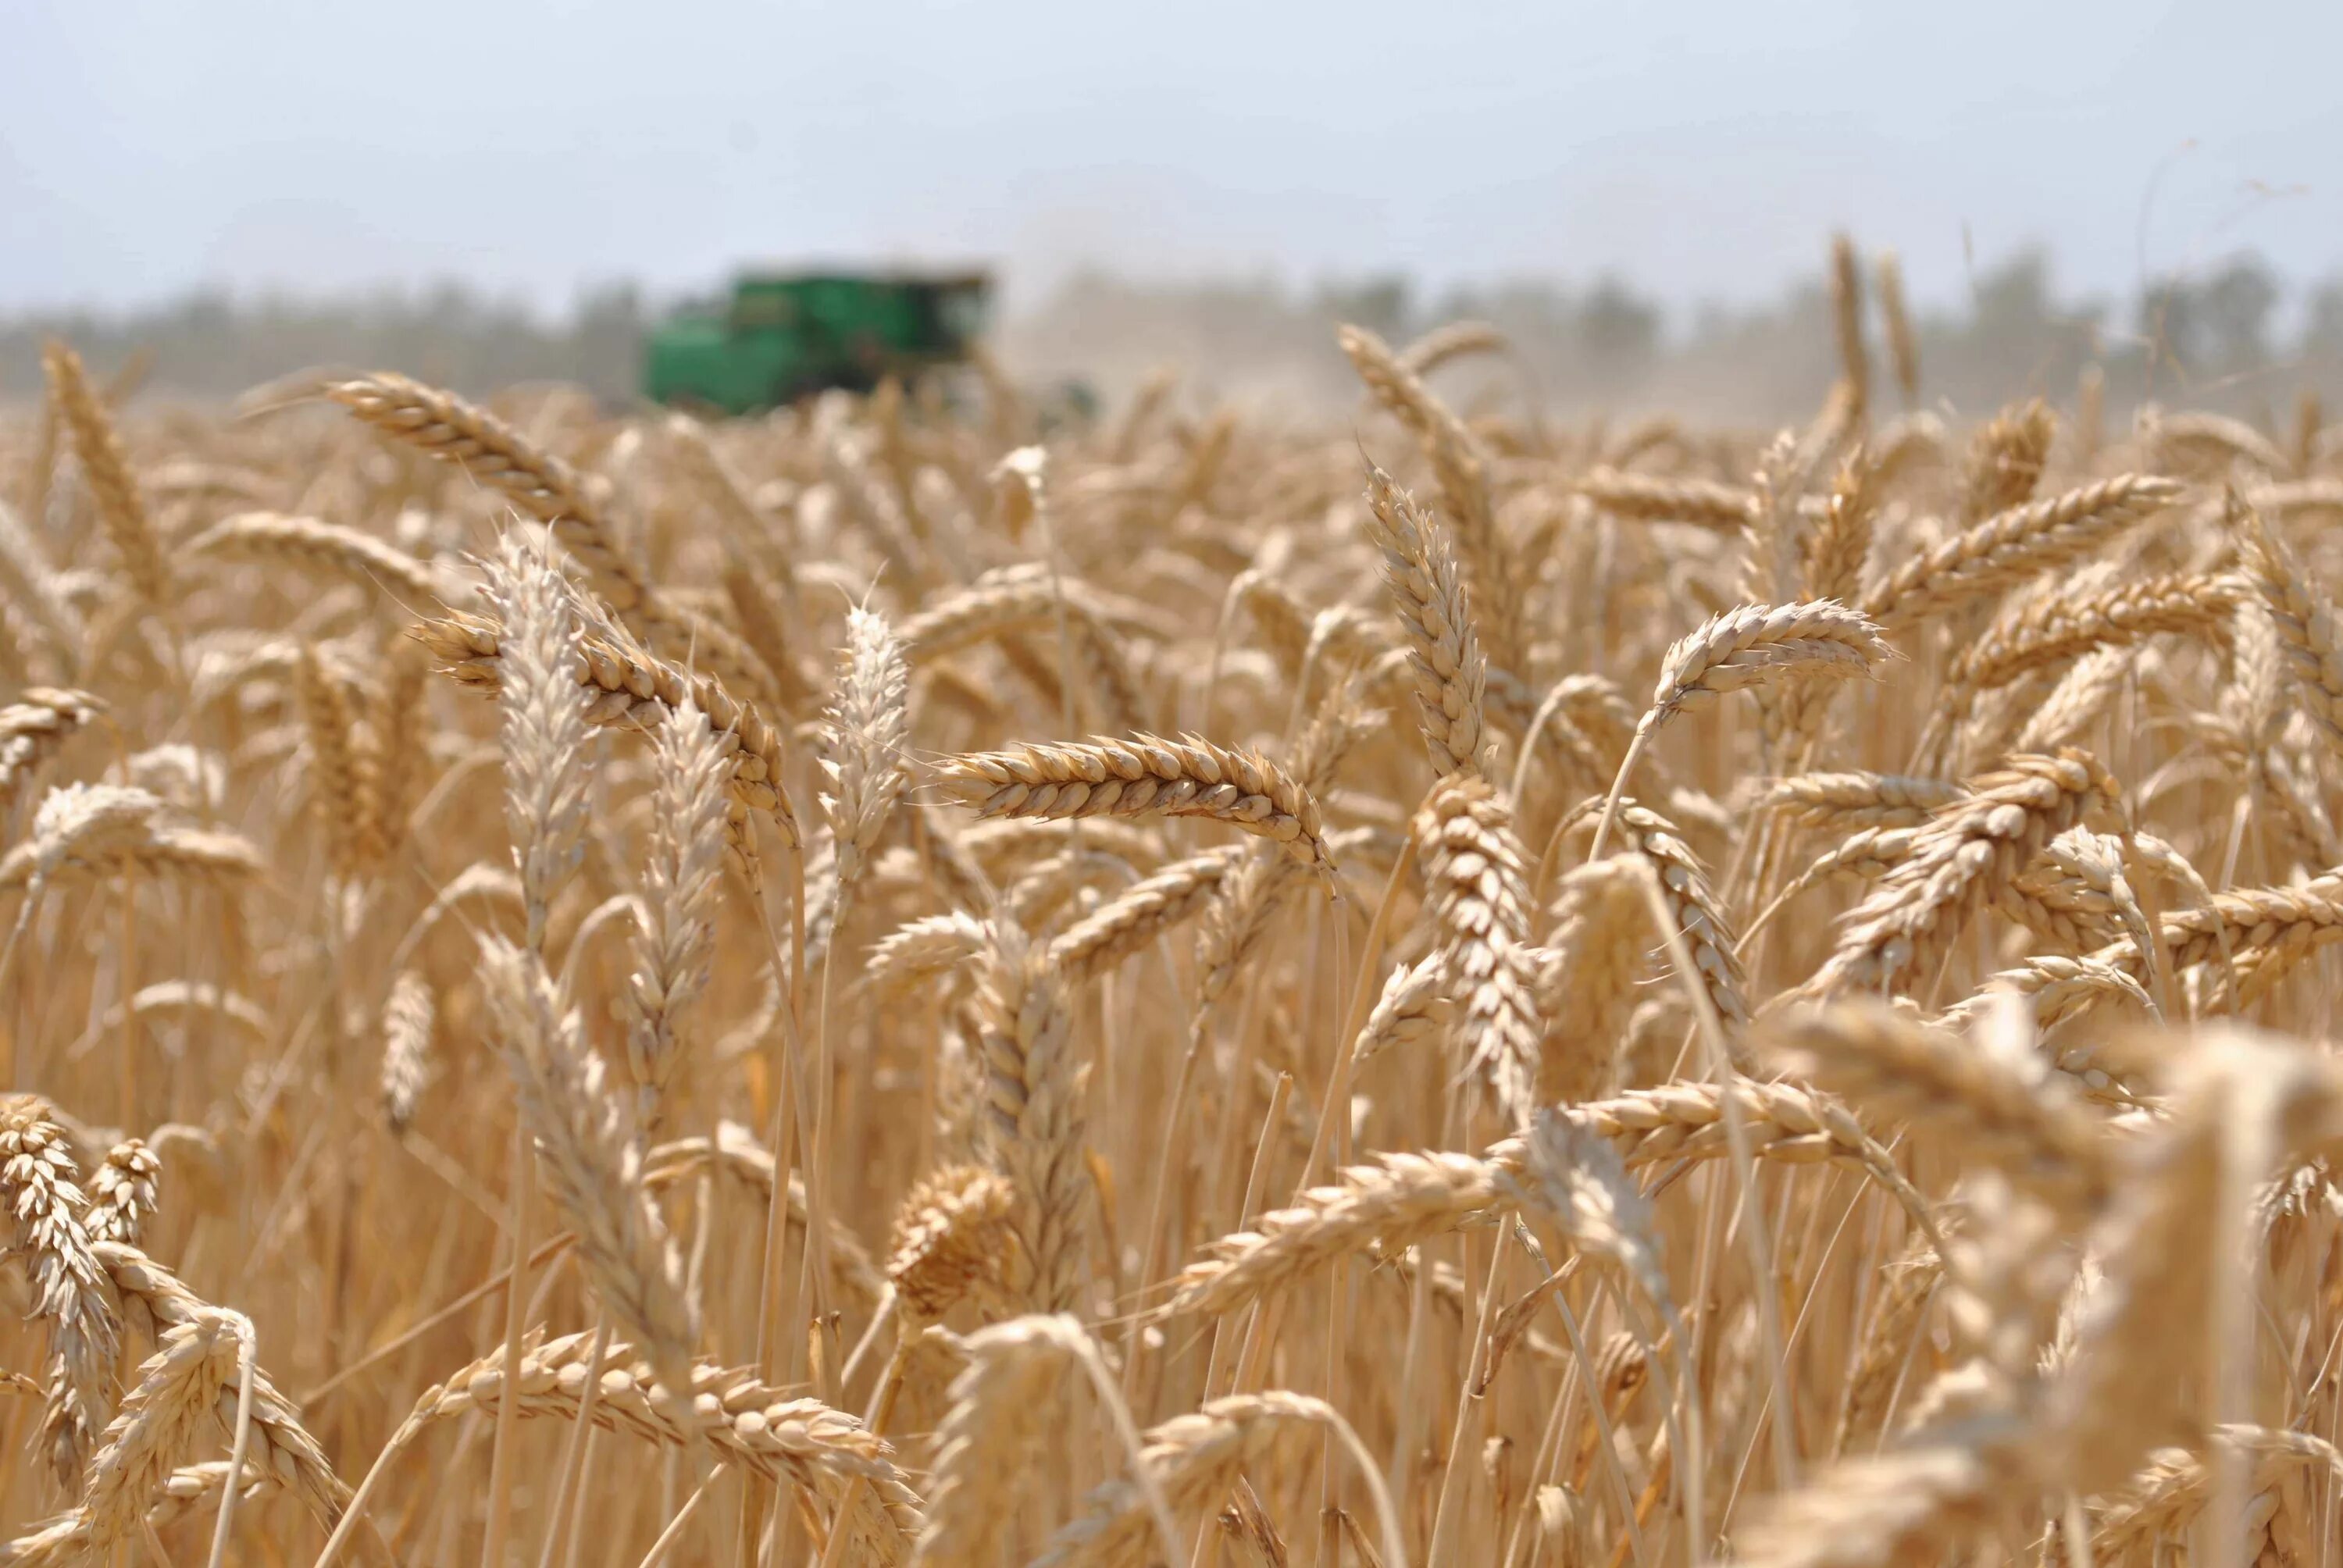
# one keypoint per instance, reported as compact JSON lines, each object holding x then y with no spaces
{"x":880,"y":984}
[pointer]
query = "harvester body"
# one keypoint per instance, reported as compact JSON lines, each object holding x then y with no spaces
{"x":783,"y":336}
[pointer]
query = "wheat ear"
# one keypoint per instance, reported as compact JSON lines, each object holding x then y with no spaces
{"x":674,"y":942}
{"x":1477,"y":894}
{"x":31,"y":730}
{"x":38,"y":1178}
{"x":311,"y":544}
{"x":121,"y":508}
{"x":1953,"y":1096}
{"x":2013,"y":546}
{"x":1032,"y":1123}
{"x":455,"y":431}
{"x":1957,"y":861}
{"x":592,"y":1164}
{"x":1144,"y":775}
{"x":1427,"y":590}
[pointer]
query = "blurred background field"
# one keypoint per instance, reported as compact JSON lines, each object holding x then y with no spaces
{"x":489,"y":195}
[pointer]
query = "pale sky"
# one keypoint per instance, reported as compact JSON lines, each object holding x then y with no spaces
{"x":1701,"y":148}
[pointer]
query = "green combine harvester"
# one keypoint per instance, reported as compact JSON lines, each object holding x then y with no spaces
{"x":783,"y":336}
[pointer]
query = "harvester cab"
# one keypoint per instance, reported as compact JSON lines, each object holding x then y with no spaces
{"x":783,"y":336}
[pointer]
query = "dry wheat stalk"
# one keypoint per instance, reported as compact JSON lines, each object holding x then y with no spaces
{"x":1833,"y":553}
{"x":2267,"y":932}
{"x":1239,"y":916}
{"x":2170,"y":1491}
{"x":919,"y":949}
{"x":1782,"y":1122}
{"x":1002,"y":1405}
{"x":1587,"y":976}
{"x":29,"y":585}
{"x":866,"y":731}
{"x":734,"y":1151}
{"x":2005,"y":459}
{"x":184,"y":1000}
{"x":161,"y":849}
{"x":1578,"y":1182}
{"x":1450,"y":340}
{"x":2180,"y":1205}
{"x":1758,"y":643}
{"x":1413,"y":1009}
{"x":2309,"y":636}
{"x":543,"y":728}
{"x":399,"y":725}
{"x":1698,"y":915}
{"x":1903,"y":346}
{"x":345,"y":779}
{"x":173,"y":1403}
{"x":1744,"y":648}
{"x":2216,"y":441}
{"x":1889,"y":1355}
{"x":2052,"y":630}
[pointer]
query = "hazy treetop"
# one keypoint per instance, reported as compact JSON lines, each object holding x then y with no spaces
{"x":1698,"y":148}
